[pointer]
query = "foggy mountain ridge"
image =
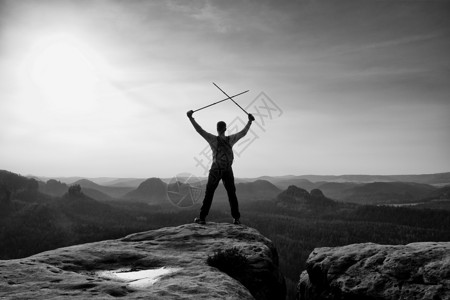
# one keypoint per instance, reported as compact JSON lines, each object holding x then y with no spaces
{"x":111,"y":191}
{"x":384,"y":192}
{"x":435,"y":178}
{"x":388,"y":192}
{"x":125,"y":182}
{"x":337,"y":190}
{"x":371,"y":193}
{"x":280,"y":181}
{"x":377,"y":192}
{"x":155,"y":188}
{"x":284,"y":183}
{"x":58,"y":189}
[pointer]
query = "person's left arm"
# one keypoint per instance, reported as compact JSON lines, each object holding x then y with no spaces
{"x":237,"y":136}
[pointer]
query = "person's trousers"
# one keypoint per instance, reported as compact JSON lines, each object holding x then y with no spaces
{"x":227,"y":177}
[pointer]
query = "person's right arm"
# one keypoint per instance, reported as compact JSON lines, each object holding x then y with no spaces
{"x":206,"y":135}
{"x":237,"y":136}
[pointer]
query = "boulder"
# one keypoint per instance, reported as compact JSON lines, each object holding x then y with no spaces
{"x":371,"y":271}
{"x":167,"y":263}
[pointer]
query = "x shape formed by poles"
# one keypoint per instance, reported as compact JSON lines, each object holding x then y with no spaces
{"x":229,"y":98}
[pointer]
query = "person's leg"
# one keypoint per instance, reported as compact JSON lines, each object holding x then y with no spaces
{"x":228,"y":182}
{"x":213,"y":181}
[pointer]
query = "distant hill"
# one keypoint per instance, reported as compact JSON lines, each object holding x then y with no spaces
{"x":249,"y":191}
{"x":14,"y":186}
{"x":337,"y":190}
{"x":66,"y":180}
{"x":432,"y":179}
{"x":367,"y":189}
{"x":388,"y":193}
{"x":16,"y":183}
{"x":33,"y":222}
{"x":440,"y":199}
{"x":435,"y":179}
{"x":125,"y":182}
{"x":442,"y":193}
{"x":53,"y":188}
{"x":57,"y":189}
{"x":280,"y":181}
{"x":97,"y":195}
{"x":151,"y":191}
{"x":80,"y":203}
{"x":113,"y":192}
{"x":295,"y":197}
{"x":377,"y":192}
{"x":285,"y":181}
{"x":257,"y":190}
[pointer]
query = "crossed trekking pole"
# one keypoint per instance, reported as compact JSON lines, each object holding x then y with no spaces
{"x":228,"y":98}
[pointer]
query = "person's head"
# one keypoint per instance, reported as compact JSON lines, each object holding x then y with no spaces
{"x":221,"y":127}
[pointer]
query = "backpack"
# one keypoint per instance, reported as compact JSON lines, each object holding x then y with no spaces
{"x":224,"y":153}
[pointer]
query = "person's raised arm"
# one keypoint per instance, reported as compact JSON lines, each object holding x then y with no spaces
{"x":197,"y":127}
{"x":237,"y":136}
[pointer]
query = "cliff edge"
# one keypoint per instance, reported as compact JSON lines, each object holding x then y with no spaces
{"x":167,"y":263}
{"x":371,"y":271}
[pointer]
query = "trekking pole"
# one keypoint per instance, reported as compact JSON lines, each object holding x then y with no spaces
{"x":231,"y":98}
{"x":221,"y":101}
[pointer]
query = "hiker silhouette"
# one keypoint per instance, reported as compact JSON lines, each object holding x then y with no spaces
{"x":221,"y":168}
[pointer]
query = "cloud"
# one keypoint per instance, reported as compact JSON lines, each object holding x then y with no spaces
{"x":393,"y":43}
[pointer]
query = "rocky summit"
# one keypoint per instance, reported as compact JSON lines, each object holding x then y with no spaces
{"x":167,"y":263}
{"x":371,"y":271}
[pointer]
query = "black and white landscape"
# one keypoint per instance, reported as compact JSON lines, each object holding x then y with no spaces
{"x":342,"y":178}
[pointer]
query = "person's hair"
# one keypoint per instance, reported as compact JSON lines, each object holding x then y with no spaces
{"x":221,"y":126}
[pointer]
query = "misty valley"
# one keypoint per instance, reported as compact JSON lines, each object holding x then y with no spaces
{"x":298,"y":213}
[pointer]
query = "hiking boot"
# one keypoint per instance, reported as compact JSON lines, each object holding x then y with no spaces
{"x":200,"y":221}
{"x":236,"y":222}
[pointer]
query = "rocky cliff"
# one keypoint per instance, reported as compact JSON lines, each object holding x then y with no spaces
{"x":371,"y":271}
{"x":168,"y":263}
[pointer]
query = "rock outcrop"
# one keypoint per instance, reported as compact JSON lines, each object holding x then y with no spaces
{"x":168,"y":263}
{"x":371,"y":271}
{"x":295,"y":197}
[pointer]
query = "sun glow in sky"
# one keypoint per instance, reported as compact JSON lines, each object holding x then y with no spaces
{"x":63,"y":75}
{"x":101,"y":88}
{"x":62,"y":66}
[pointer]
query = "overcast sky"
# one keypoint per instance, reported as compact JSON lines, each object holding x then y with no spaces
{"x":101,"y":88}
